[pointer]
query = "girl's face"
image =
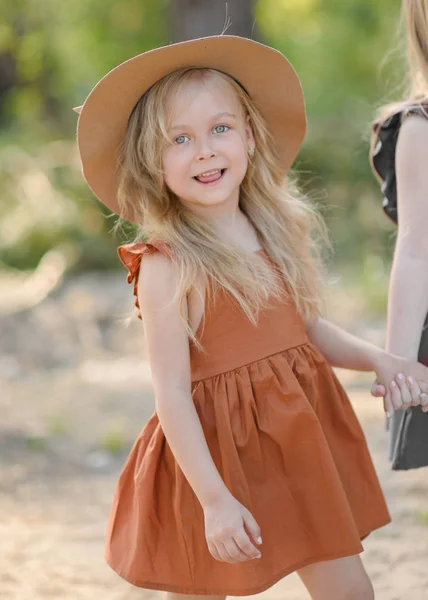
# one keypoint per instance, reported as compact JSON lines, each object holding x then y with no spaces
{"x":206,"y":160}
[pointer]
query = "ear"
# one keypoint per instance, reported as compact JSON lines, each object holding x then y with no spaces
{"x":249,"y":133}
{"x":78,"y":109}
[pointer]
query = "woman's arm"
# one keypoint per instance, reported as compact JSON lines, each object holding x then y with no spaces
{"x":408,"y":289}
{"x":168,"y":351}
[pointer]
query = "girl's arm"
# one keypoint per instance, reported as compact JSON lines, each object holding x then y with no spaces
{"x":168,"y":352}
{"x":341,"y":349}
{"x":408,"y":289}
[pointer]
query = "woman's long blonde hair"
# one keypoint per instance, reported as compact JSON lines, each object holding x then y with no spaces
{"x":289,"y":229}
{"x":414,"y":17}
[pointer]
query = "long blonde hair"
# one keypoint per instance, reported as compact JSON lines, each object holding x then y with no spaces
{"x":288,"y":227}
{"x":414,"y":20}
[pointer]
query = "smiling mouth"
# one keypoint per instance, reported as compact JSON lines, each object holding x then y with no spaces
{"x":210,"y":176}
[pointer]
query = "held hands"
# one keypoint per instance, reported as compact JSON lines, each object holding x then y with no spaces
{"x":402,"y":383}
{"x":227,"y":522}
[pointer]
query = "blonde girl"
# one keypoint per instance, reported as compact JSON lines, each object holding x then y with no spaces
{"x":253,"y":465}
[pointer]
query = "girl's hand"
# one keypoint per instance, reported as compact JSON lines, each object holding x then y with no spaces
{"x":401,"y":382}
{"x":227,"y":522}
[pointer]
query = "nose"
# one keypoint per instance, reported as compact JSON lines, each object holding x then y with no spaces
{"x":205,"y":151}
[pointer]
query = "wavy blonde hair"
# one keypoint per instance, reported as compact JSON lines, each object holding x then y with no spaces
{"x":289,"y":229}
{"x":414,"y":20}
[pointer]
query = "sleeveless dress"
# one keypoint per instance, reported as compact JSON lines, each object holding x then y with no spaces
{"x":285,"y":439}
{"x":408,"y":447}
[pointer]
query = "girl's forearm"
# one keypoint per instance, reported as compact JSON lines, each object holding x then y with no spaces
{"x":407,"y":303}
{"x":342,"y":349}
{"x":184,"y":434}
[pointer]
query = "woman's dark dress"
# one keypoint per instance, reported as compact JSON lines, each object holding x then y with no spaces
{"x":409,"y":431}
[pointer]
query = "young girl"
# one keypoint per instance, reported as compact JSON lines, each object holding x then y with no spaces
{"x":254,"y":464}
{"x":399,"y":150}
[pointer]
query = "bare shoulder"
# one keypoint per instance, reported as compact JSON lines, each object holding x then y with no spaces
{"x":412,"y":176}
{"x":157,"y":278}
{"x":165,"y":332}
{"x":413,"y":136}
{"x":412,"y":149}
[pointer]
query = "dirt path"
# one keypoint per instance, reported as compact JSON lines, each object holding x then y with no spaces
{"x":70,"y":409}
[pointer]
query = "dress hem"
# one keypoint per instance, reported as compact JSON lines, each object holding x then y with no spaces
{"x":163,"y":587}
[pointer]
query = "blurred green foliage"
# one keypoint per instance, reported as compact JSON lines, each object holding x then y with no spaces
{"x":350,"y":59}
{"x":52,"y":53}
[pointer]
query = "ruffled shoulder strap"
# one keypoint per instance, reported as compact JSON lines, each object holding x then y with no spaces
{"x":383,"y":155}
{"x":131,"y":255}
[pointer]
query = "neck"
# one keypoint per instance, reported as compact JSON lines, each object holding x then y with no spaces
{"x":225,"y":218}
{"x":229,"y":222}
{"x":236,"y":228}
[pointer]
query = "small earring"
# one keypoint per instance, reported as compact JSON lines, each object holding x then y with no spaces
{"x":250,"y":151}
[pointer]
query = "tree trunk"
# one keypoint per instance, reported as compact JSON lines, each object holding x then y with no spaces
{"x":190,"y":19}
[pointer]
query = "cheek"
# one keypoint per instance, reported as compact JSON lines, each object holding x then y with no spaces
{"x":237,"y":152}
{"x":240,"y":160}
{"x":173,"y":164}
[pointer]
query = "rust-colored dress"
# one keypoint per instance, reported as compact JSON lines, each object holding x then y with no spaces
{"x":283,"y":436}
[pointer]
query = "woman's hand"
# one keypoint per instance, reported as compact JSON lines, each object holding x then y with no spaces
{"x":230,"y":530}
{"x":401,"y":382}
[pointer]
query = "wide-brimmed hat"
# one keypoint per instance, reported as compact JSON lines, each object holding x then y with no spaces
{"x":265,"y":73}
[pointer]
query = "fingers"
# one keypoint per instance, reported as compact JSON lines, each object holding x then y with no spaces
{"x":235,"y":553}
{"x":406,"y":397}
{"x":224,"y":554}
{"x":244,"y":543}
{"x":402,"y":392}
{"x":415,"y":390}
{"x":219,"y":552}
{"x":378,"y":390}
{"x":413,"y":393}
{"x":395,"y":395}
{"x":424,"y":402}
{"x":234,"y":544}
{"x":406,"y":392}
{"x":232,"y":550}
{"x":252,"y":526}
{"x":387,"y":405}
{"x":424,"y":395}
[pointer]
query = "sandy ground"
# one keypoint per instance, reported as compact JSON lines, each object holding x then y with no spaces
{"x":65,"y":432}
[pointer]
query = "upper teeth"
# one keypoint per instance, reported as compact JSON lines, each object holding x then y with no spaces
{"x":208,"y":173}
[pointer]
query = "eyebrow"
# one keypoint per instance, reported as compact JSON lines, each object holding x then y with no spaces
{"x":215,"y":117}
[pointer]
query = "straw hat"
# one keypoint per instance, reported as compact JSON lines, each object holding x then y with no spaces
{"x":265,"y":73}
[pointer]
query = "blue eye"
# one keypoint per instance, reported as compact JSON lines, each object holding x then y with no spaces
{"x":223,"y":128}
{"x":181,"y":139}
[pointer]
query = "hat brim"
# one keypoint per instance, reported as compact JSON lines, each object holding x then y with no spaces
{"x":265,"y":73}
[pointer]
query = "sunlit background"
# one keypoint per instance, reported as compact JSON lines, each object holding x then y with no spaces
{"x":347,"y":55}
